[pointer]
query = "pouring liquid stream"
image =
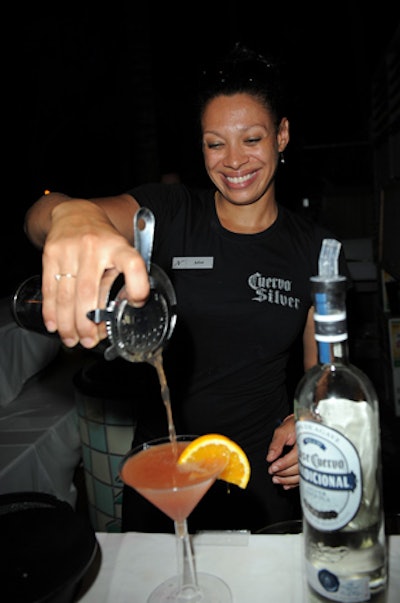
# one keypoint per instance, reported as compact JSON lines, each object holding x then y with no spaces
{"x":157,"y":362}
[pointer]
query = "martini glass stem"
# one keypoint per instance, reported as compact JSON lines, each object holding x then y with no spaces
{"x":189,"y":590}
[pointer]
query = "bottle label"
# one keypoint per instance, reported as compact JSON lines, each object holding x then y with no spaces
{"x":330,"y":476}
{"x":333,"y":588}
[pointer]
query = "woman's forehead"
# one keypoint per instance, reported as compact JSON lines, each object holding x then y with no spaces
{"x":237,"y":107}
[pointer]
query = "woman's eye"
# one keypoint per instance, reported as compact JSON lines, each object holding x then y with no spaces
{"x":253,"y":140}
{"x":214,"y":145}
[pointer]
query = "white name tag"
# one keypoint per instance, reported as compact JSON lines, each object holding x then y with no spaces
{"x":192,"y":262}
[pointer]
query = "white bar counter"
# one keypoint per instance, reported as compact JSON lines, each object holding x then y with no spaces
{"x":257,"y":568}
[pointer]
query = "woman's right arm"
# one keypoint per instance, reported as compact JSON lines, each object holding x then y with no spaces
{"x":118,"y":209}
{"x":92,"y":241}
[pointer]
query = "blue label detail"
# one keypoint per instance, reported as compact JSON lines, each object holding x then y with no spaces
{"x":329,"y":481}
{"x":315,"y":441}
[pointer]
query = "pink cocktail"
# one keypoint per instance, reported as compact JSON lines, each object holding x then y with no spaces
{"x":152,"y":470}
{"x":174,"y":489}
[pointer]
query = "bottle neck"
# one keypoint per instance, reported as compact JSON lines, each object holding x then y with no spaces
{"x":330,"y":320}
{"x":333,"y":352}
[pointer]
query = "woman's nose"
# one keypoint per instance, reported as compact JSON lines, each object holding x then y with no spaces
{"x":235,"y":157}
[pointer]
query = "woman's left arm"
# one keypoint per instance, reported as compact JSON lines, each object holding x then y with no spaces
{"x":310,"y":349}
{"x":285,"y":469}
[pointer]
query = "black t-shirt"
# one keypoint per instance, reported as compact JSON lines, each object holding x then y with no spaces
{"x":242,"y":303}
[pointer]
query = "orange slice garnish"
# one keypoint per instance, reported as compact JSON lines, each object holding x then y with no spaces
{"x":214,"y":446}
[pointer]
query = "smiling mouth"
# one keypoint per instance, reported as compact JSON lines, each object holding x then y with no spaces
{"x":240,"y":179}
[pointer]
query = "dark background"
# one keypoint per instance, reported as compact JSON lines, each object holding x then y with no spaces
{"x":102,"y":98}
{"x":97,"y":99}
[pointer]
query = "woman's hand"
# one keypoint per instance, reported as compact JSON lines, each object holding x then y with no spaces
{"x":81,"y":259}
{"x":284,"y":469}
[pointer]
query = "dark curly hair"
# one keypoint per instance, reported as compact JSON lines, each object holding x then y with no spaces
{"x":243,"y":70}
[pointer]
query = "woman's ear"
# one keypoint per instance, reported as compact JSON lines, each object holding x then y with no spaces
{"x":283,"y":134}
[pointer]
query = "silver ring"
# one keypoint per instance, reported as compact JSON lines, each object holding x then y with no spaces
{"x":58,"y":277}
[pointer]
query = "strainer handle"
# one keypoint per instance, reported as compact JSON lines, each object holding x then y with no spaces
{"x":143,"y":231}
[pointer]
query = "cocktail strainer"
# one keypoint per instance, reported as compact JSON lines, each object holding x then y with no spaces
{"x":137,"y":334}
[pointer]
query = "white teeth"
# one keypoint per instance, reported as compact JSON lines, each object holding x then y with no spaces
{"x":238,"y":179}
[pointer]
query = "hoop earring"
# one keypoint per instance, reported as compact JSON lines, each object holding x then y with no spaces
{"x":281,"y":157}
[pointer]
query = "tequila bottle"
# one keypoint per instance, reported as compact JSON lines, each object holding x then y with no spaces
{"x":338,"y":438}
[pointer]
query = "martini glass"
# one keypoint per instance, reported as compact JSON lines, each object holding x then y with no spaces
{"x":152,"y":470}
